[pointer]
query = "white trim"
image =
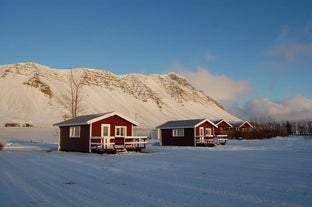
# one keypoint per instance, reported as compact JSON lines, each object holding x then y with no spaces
{"x":109,"y":130}
{"x":208,"y":129}
{"x":159,"y":136}
{"x":112,"y":114}
{"x":246,"y":123}
{"x":225,"y":122}
{"x":194,"y":136}
{"x":201,"y":134}
{"x":201,"y":131}
{"x":124,"y":127}
{"x":105,"y":143}
{"x":90,"y":133}
{"x":206,"y":120}
{"x":74,"y":132}
{"x":177,"y":134}
{"x":59,"y":139}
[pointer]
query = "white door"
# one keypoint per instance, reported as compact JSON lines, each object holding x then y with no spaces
{"x":201,"y":133}
{"x":105,"y":131}
{"x":105,"y":134}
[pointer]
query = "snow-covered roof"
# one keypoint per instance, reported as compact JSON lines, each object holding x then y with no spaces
{"x":190,"y":123}
{"x":91,"y":118}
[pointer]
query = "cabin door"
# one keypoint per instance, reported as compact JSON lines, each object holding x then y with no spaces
{"x":201,"y":134}
{"x":105,"y":131}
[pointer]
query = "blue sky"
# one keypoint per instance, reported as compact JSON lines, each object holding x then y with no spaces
{"x":256,"y":51}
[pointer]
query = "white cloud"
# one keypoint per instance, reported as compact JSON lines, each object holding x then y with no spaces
{"x":209,"y":56}
{"x":291,"y":51}
{"x":292,"y":108}
{"x":293,"y":45}
{"x":220,"y":88}
{"x":230,"y":92}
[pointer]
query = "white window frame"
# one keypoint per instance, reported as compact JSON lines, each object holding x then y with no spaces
{"x":102,"y":131}
{"x":201,"y":131}
{"x":179,"y":132}
{"x":208,"y":131}
{"x":124,"y":128}
{"x":74,"y":131}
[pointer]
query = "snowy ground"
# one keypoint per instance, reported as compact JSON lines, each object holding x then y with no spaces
{"x":275,"y":172}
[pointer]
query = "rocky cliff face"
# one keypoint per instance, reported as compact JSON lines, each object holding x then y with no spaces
{"x":150,"y":99}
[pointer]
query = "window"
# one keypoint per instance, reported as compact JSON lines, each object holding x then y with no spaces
{"x":105,"y":130}
{"x":120,"y":131}
{"x":177,"y":132}
{"x":74,"y":131}
{"x":208,"y":131}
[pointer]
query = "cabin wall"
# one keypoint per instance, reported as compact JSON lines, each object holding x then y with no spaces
{"x":113,"y":121}
{"x":245,"y":127}
{"x":223,"y":128}
{"x":80,"y":144}
{"x":169,"y":140}
{"x":205,"y":125}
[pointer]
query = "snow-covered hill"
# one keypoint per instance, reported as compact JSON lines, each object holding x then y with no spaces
{"x":36,"y":94}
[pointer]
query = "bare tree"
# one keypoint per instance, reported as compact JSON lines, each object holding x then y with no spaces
{"x":309,"y":128}
{"x":74,"y":98}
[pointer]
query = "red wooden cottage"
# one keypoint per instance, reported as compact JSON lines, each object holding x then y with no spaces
{"x":224,"y":127}
{"x":107,"y":132}
{"x":242,"y":126}
{"x":192,"y":132}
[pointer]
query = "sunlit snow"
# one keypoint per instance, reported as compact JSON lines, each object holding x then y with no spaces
{"x":274,"y":172}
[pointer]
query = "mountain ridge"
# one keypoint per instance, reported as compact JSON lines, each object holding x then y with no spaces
{"x":150,"y":99}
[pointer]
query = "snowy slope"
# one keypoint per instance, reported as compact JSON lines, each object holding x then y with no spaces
{"x":35,"y":94}
{"x":272,"y":173}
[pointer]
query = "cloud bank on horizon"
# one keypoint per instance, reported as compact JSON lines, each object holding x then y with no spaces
{"x":288,"y":64}
{"x":222,"y":88}
{"x":229,"y":92}
{"x":295,"y":108}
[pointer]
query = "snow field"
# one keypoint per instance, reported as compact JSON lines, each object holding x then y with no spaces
{"x":275,"y":172}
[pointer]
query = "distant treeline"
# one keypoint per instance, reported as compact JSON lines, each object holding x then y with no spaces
{"x":268,"y":128}
{"x":302,"y":128}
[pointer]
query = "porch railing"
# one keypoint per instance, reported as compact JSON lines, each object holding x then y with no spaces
{"x":102,"y":142}
{"x":208,"y":139}
{"x":135,"y":142}
{"x":117,"y":143}
{"x":211,"y":139}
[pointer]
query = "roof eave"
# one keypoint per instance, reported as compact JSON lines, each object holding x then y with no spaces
{"x":71,"y":124}
{"x":177,"y":127}
{"x":213,"y":124}
{"x":112,"y":114}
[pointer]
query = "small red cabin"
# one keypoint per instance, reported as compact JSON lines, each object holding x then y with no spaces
{"x":192,"y":132}
{"x":242,"y":126}
{"x":105,"y":132}
{"x":224,"y":127}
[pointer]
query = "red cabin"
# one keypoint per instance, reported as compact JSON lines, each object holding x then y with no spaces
{"x":242,"y":126}
{"x":192,"y":132}
{"x":224,"y":127}
{"x":106,"y":132}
